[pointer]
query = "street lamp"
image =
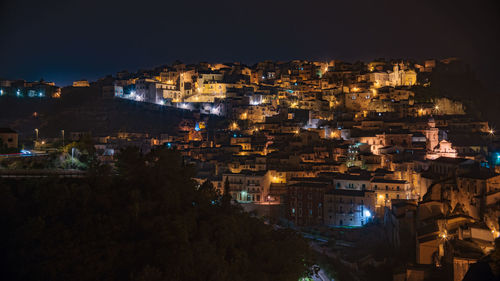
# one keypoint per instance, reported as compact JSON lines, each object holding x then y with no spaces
{"x":62,"y":132}
{"x":36,"y":132}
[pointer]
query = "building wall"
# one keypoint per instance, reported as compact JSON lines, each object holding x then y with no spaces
{"x":246,"y":188}
{"x":426,"y":250}
{"x":306,"y":205}
{"x":460,"y":267}
{"x":349,"y":210}
{"x":387,"y":191}
{"x":9,"y":139}
{"x":351,"y":184}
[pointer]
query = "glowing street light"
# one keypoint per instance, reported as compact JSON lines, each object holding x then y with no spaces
{"x":368,"y":213}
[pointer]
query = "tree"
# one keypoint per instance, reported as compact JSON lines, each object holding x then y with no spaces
{"x":226,"y":196}
{"x":149,"y":221}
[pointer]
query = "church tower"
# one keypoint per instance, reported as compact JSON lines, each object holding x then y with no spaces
{"x":431,"y":134}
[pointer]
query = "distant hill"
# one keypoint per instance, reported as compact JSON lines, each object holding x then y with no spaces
{"x":457,"y":81}
{"x":83,"y":110}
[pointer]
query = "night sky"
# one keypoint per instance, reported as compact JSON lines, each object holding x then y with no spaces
{"x":63,"y":40}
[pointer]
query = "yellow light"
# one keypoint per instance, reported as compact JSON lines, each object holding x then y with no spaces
{"x":355,"y":89}
{"x":436,"y":107}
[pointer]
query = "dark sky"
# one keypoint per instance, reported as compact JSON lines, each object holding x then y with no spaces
{"x":66,"y":40}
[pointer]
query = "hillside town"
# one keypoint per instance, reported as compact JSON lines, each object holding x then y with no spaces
{"x":321,"y":147}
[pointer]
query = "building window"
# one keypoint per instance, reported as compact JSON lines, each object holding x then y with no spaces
{"x":386,"y":187}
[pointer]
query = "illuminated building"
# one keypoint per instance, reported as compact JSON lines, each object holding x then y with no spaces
{"x":81,"y":83}
{"x":388,"y":189}
{"x":249,"y":186}
{"x":349,"y":207}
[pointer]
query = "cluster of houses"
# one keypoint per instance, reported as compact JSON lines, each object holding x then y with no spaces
{"x":333,"y":144}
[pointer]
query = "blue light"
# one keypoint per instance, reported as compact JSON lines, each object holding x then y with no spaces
{"x":197,"y":127}
{"x":25,"y":152}
{"x":169,"y":145}
{"x":234,"y":135}
{"x":367,"y":213}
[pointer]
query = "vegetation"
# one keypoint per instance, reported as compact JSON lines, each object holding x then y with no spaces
{"x":149,"y":221}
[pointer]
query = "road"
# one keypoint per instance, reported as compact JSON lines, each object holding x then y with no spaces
{"x":321,"y":276}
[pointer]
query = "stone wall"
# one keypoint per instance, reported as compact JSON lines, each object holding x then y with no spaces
{"x":449,"y":107}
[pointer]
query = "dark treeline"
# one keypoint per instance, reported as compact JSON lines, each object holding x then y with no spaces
{"x":148,"y":222}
